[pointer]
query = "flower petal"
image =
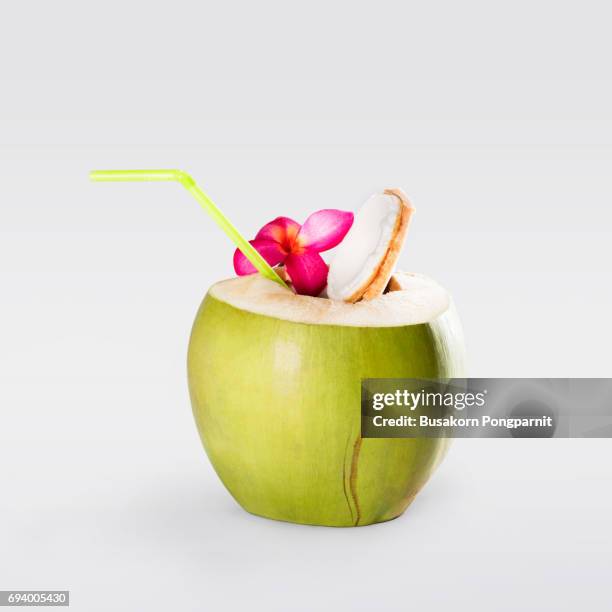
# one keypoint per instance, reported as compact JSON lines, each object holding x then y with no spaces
{"x":308,"y":272}
{"x":282,"y":230}
{"x":325,"y":229}
{"x":270,"y":250}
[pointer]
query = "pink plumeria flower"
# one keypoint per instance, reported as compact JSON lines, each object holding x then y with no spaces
{"x":284,"y":241}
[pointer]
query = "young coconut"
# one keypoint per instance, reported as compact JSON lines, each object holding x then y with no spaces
{"x":365,"y":260}
{"x":275,"y":377}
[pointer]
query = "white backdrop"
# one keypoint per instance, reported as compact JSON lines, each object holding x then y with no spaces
{"x":497,"y":123}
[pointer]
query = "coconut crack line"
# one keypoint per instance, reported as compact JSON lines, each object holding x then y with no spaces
{"x":345,"y":478}
{"x":353,"y":477}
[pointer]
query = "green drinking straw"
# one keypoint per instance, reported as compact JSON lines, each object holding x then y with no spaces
{"x":206,"y":203}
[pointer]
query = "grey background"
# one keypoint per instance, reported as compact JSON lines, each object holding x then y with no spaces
{"x":496,"y":120}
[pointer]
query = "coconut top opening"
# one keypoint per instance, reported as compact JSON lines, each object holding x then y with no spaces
{"x":411,"y":299}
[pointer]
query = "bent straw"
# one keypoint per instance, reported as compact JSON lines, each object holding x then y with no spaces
{"x":205,"y":202}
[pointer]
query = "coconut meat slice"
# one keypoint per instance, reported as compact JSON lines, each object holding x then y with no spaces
{"x":365,"y":260}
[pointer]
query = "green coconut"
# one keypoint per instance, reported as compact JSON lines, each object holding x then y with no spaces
{"x":274,"y":380}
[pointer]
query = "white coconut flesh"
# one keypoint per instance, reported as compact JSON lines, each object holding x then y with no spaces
{"x":375,"y":238}
{"x":413,"y":299}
